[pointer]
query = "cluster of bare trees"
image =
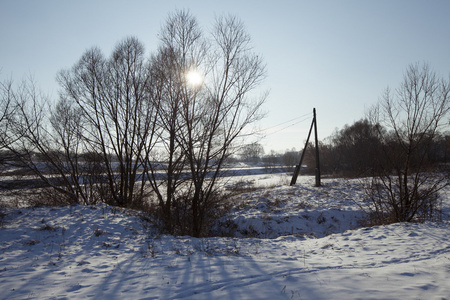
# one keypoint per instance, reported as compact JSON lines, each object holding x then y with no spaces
{"x":131,"y":130}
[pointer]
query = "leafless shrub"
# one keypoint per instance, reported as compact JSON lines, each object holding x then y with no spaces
{"x":406,"y":185}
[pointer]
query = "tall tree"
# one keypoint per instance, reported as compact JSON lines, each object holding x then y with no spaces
{"x":207,"y":119}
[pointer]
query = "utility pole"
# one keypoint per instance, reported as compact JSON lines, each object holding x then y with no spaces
{"x":298,"y":167}
{"x":317,"y":149}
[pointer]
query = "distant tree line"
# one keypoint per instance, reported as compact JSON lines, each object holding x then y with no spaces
{"x":352,"y":152}
{"x":358,"y":150}
{"x":134,"y":131}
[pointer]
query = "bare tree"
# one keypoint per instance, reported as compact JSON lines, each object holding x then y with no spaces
{"x":216,"y":119}
{"x":118,"y":116}
{"x":407,"y":188}
{"x":36,"y":144}
{"x":166,"y":162}
{"x":68,"y":148}
{"x":202,"y":123}
{"x":91,"y":144}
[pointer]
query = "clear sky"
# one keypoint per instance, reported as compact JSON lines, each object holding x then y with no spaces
{"x":336,"y":56}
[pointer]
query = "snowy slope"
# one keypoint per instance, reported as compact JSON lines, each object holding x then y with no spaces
{"x":315,"y":251}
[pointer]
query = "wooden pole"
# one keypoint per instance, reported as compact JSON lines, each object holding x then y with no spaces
{"x":317,"y":149}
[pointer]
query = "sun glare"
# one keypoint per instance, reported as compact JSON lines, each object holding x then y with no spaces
{"x":194,"y":78}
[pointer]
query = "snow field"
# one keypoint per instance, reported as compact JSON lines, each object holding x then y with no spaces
{"x":104,"y":252}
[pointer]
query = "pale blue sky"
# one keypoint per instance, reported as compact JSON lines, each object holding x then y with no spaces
{"x":336,"y":56}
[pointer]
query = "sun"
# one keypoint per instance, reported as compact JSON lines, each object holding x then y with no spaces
{"x":194,"y":78}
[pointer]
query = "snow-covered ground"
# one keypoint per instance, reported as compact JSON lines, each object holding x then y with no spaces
{"x":298,"y":242}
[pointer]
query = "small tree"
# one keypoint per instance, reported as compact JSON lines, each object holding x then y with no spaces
{"x":406,"y":188}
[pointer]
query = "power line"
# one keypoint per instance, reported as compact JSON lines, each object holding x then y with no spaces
{"x":288,"y":121}
{"x":304,"y":118}
{"x":301,"y":119}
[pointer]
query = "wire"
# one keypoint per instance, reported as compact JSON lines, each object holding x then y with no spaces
{"x":301,"y":121}
{"x":288,"y":121}
{"x":302,"y":118}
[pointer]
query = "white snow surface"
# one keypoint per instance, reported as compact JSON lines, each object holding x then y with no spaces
{"x":305,"y":243}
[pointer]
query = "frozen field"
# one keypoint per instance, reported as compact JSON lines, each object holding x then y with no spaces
{"x":298,"y":242}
